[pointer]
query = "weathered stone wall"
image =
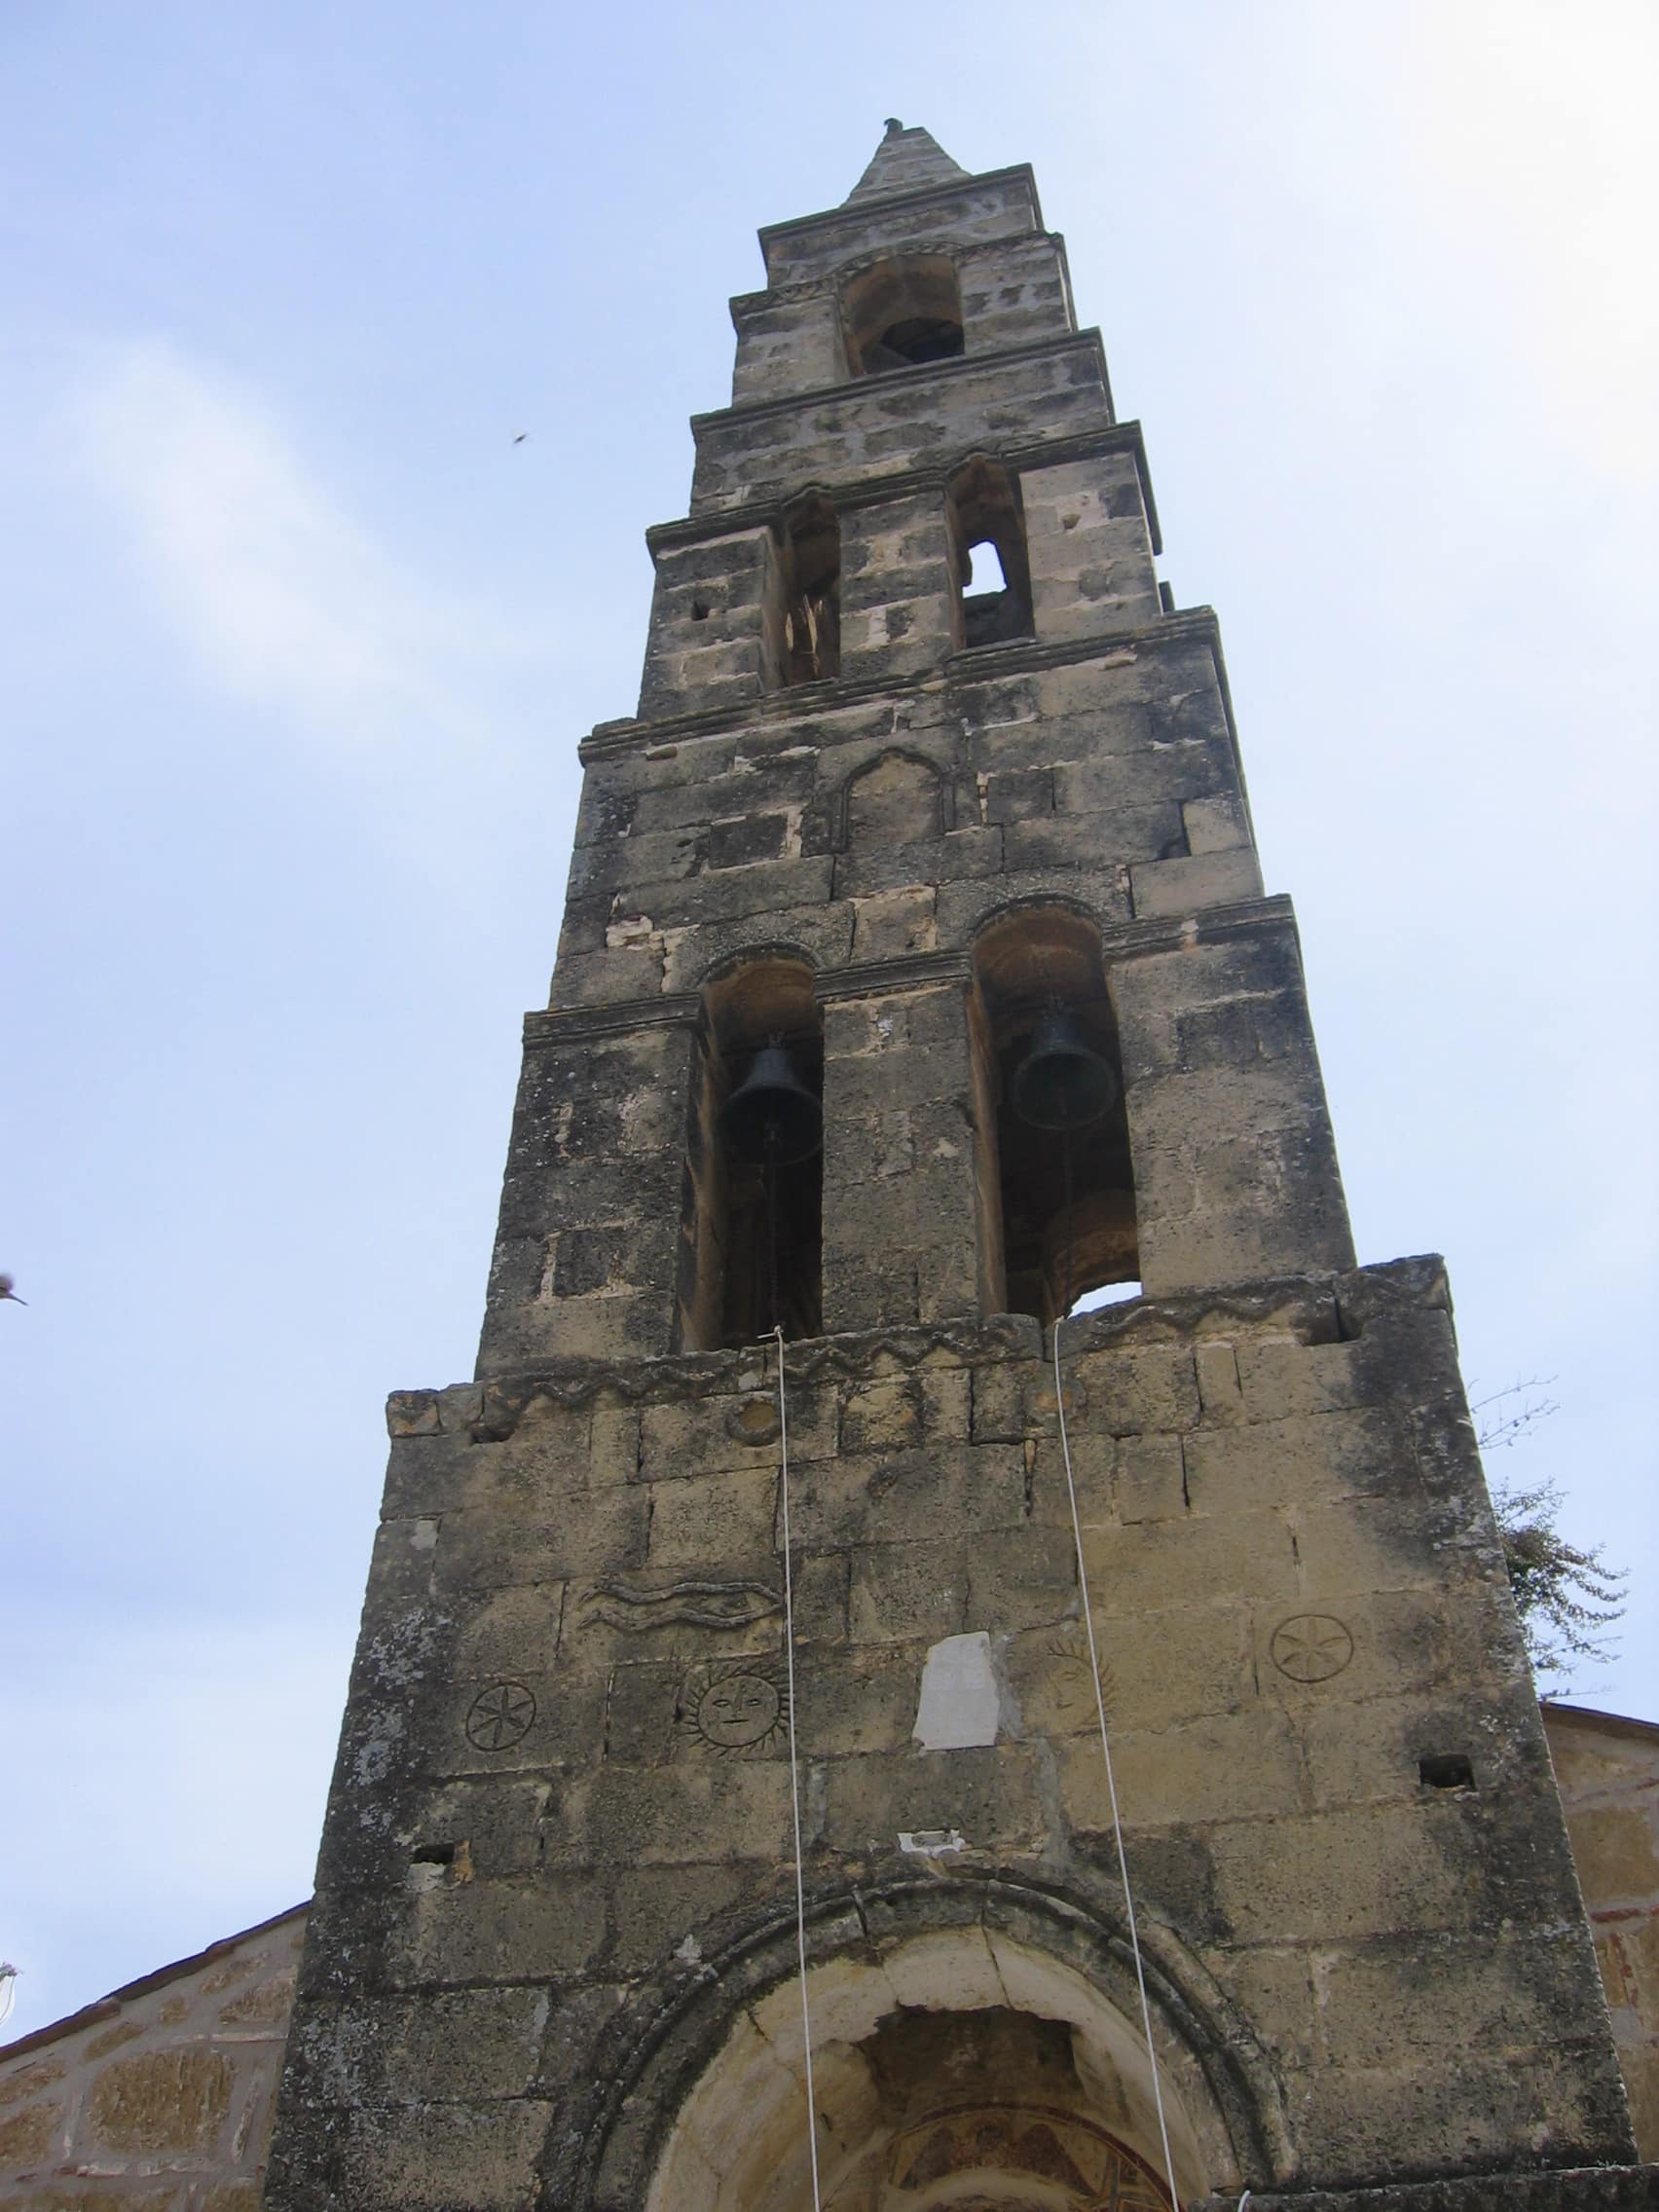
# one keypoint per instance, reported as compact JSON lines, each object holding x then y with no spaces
{"x":565,"y":1785}
{"x":553,"y":1953}
{"x":159,"y":2098}
{"x":1607,"y":1769}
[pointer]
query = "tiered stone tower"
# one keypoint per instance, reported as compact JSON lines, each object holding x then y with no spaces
{"x":926,"y":759}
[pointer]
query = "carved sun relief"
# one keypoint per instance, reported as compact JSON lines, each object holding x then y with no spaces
{"x":737,"y":1707}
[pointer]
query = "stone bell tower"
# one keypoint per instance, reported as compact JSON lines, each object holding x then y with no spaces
{"x":916,"y":978}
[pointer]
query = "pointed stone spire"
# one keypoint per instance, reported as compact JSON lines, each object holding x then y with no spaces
{"x":905,"y":161}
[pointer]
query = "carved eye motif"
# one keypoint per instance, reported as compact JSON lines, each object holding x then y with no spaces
{"x":695,"y":1605}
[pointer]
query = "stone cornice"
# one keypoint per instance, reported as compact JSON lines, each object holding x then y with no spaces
{"x":901,"y":484}
{"x":855,"y":214}
{"x":1317,"y":1309}
{"x":911,"y":377}
{"x":961,"y":251}
{"x":812,"y":702}
{"x":586,"y":1024}
{"x":909,"y":971}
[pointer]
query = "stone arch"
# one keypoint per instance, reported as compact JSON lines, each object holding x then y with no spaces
{"x":983,"y":508}
{"x":899,"y":798}
{"x":1057,"y":1215}
{"x":900,"y":310}
{"x":1021,"y":1997}
{"x":747,"y":1237}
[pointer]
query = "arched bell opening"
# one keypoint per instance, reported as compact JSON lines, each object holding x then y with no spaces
{"x":954,"y":2072}
{"x":1056,"y":1180}
{"x":903,"y":313}
{"x":751,"y":1224}
{"x":990,"y":568}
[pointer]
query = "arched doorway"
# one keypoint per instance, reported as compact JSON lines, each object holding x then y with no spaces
{"x":958,"y":2071}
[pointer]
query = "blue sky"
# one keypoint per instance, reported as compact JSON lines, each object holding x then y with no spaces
{"x":299,"y":645}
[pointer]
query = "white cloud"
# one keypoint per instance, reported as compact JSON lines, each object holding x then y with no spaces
{"x":282,"y":598}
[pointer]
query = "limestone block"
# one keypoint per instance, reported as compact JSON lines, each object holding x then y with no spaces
{"x":990,"y":1797}
{"x":623,"y":1612}
{"x":1090,"y":550}
{"x":882,"y":1415}
{"x":1393,"y":2002}
{"x":1349,"y":2119}
{"x":1149,"y":1479}
{"x":434,"y":2157}
{"x":1279,"y":1375}
{"x":863,"y":1290}
{"x":476,"y":2045}
{"x":1359,"y":1546}
{"x":463,"y":1934}
{"x":1136,"y":1387}
{"x":1153,"y":1564}
{"x":999,"y":1415}
{"x":1189,"y":1661}
{"x":705,"y":1436}
{"x":1617,"y":1851}
{"x":699,"y":944}
{"x":1188,"y":886}
{"x":960,"y":857}
{"x":706,"y":1518}
{"x":512,"y":1629}
{"x":899,"y":1497}
{"x":888,"y":924}
{"x":1119,"y":836}
{"x":1092,"y":1458}
{"x":902,"y":1593}
{"x":1215,"y":824}
{"x":947,"y":1396}
{"x":655,"y":1914}
{"x":1233,"y":1767}
{"x":857,"y":1701}
{"x":1021,"y":1578}
{"x":602,"y":1530}
{"x":690,"y":1813}
{"x":1310,"y":1460}
{"x":553,"y":1719}
{"x":1402,"y":1641}
{"x":1219,"y":1388}
{"x":1402,"y":1871}
{"x":161,"y":2100}
{"x":28,"y":2134}
{"x":1277,"y":1987}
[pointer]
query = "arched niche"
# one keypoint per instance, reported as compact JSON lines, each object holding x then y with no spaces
{"x":954,"y":2067}
{"x":1057,"y":1214}
{"x":898,"y":799}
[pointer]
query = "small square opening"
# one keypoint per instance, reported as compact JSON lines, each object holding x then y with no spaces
{"x":1446,"y":1770}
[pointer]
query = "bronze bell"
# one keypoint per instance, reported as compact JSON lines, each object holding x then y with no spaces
{"x":772,"y":1110}
{"x":1062,"y":1083}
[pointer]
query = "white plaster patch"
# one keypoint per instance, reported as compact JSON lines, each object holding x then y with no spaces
{"x":930,"y":1843}
{"x":960,"y":1704}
